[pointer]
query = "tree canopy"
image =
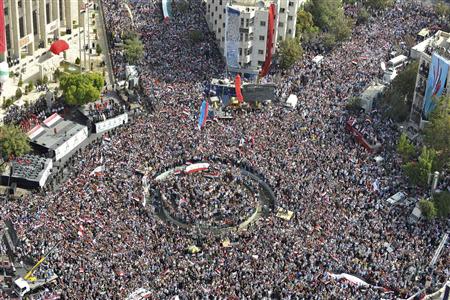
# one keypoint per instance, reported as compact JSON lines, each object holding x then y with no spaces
{"x":79,"y":89}
{"x":437,"y":132}
{"x":290,"y":51}
{"x":378,"y":4}
{"x":330,"y":18}
{"x":13,"y":141}
{"x":398,"y":97}
{"x":134,"y":49}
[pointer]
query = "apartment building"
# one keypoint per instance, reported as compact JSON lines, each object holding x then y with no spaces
{"x":33,"y":24}
{"x":433,"y":75}
{"x":252,"y":17}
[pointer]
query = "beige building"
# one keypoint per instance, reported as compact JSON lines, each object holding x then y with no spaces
{"x":33,"y":24}
{"x":253,"y":22}
{"x":438,"y":44}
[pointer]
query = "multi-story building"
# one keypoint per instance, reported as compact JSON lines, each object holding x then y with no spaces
{"x":433,"y":75}
{"x":253,"y":25}
{"x":33,"y":24}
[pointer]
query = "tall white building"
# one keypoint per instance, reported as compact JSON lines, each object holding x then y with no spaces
{"x":253,"y":26}
{"x":33,"y":24}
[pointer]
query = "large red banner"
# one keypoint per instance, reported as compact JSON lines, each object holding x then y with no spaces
{"x":2,"y":29}
{"x":265,"y":68}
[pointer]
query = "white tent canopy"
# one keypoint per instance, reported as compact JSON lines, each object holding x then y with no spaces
{"x":292,"y":101}
{"x":317,"y":59}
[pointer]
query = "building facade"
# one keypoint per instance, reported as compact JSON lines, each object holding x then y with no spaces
{"x":34,"y":24}
{"x":253,"y":22}
{"x":433,"y":75}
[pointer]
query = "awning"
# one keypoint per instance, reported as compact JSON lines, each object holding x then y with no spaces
{"x":59,"y":46}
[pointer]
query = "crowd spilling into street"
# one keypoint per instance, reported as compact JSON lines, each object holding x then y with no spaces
{"x":110,"y":244}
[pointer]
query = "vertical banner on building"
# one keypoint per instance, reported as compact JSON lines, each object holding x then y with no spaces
{"x":437,"y":77}
{"x":269,"y":45}
{"x":232,"y":37}
{"x":2,"y":29}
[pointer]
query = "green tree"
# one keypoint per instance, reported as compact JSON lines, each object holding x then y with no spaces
{"x":13,"y":141}
{"x":45,"y":79}
{"x":428,"y":209}
{"x":18,"y":93}
{"x":77,"y":61}
{"x":397,"y":99}
{"x":20,"y":83}
{"x":442,"y":9}
{"x":195,"y":36}
{"x":290,"y":51}
{"x":437,"y":132}
{"x":79,"y":89}
{"x":363,"y":16}
{"x":442,"y":204}
{"x":329,"y":16}
{"x":417,"y":172}
{"x":98,"y":49}
{"x":405,"y":148}
{"x":134,"y":49}
{"x":305,"y":28}
{"x":378,"y":4}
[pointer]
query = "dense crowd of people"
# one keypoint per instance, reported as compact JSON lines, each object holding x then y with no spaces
{"x":221,"y":198}
{"x":110,"y":244}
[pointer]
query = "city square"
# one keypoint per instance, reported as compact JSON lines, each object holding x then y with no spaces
{"x":227,"y":150}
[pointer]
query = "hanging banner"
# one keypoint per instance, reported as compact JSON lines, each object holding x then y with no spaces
{"x":437,"y":77}
{"x":232,"y":37}
{"x":237,"y":85}
{"x":269,"y":45}
{"x":2,"y":29}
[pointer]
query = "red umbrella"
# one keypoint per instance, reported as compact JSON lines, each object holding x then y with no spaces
{"x":59,"y":46}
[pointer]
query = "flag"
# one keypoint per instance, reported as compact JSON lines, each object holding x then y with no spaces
{"x":2,"y":29}
{"x":203,"y":114}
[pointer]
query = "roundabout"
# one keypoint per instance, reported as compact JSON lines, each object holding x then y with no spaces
{"x":209,"y":195}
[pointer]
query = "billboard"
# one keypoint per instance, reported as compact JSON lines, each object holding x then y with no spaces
{"x":437,"y":77}
{"x":258,"y":92}
{"x":232,"y":37}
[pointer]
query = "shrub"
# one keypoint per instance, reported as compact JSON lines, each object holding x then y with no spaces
{"x":428,"y":209}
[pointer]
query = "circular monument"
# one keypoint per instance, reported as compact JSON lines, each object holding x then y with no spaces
{"x":209,"y":195}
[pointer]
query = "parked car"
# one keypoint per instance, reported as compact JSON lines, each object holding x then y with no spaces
{"x":398,"y":197}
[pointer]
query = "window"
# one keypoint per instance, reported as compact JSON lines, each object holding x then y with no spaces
{"x":220,"y":17}
{"x":290,"y":18}
{"x":240,"y":51}
{"x":223,"y":25}
{"x":260,"y":63}
{"x":242,"y":22}
{"x":263,"y":23}
{"x":223,"y":39}
{"x":282,"y":10}
{"x":215,"y":22}
{"x":261,"y":38}
{"x":219,"y":30}
{"x":281,"y":24}
{"x":220,"y":2}
{"x":291,"y":3}
{"x":260,"y":51}
{"x":290,"y":31}
{"x":216,"y":8}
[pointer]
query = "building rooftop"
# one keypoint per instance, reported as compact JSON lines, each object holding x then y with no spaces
{"x":54,"y":132}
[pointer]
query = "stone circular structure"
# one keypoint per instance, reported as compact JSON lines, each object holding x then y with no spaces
{"x":209,"y":195}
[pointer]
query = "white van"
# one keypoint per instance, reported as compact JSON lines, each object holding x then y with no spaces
{"x":397,"y":62}
{"x":398,"y":197}
{"x":416,"y":215}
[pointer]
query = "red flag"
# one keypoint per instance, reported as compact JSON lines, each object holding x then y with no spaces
{"x":237,"y":85}
{"x":269,"y":45}
{"x":2,"y":29}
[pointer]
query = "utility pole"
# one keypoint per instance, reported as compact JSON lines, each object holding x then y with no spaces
{"x":79,"y":30}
